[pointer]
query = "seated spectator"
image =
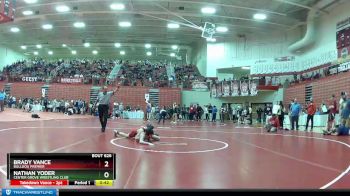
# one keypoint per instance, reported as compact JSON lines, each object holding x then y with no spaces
{"x":273,"y":124}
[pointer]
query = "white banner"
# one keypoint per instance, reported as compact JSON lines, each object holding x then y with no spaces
{"x":226,"y":89}
{"x":213,"y":91}
{"x":253,"y":86}
{"x":29,"y":79}
{"x":244,"y":88}
{"x":344,"y":67}
{"x":235,"y":88}
{"x":71,"y":80}
{"x":199,"y":86}
{"x":43,"y":92}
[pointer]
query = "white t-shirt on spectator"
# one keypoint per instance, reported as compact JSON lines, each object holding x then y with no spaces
{"x":275,"y":109}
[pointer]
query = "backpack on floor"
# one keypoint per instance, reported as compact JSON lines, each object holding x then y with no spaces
{"x":35,"y":116}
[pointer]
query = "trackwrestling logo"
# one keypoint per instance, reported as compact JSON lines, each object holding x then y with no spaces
{"x":34,"y":192}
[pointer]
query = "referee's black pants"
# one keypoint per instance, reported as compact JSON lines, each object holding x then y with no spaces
{"x":103,"y":114}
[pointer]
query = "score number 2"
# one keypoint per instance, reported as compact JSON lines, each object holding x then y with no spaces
{"x":106,"y":174}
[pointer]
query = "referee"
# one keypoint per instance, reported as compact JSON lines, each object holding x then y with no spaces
{"x":103,"y":100}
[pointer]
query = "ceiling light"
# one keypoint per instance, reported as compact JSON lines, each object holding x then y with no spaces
{"x":174,"y":47}
{"x":14,"y":29}
{"x":86,"y":45}
{"x":36,"y":53}
{"x":221,"y":29}
{"x":39,"y":46}
{"x":173,"y":26}
{"x":47,"y":26}
{"x":148,"y":45}
{"x":27,"y":12}
{"x":172,"y":54}
{"x":50,"y":53}
{"x":64,"y":45}
{"x":149,"y":53}
{"x":74,"y":52}
{"x":246,"y":68}
{"x":124,"y":24}
{"x":117,"y":45}
{"x":117,"y":6}
{"x":24,"y":47}
{"x":260,"y":16}
{"x":94,"y":52}
{"x":62,"y":8}
{"x":122,"y":52}
{"x":30,"y":1}
{"x":208,"y":10}
{"x":79,"y":24}
{"x":211,"y":40}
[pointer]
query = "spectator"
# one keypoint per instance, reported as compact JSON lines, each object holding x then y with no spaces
{"x":311,"y":110}
{"x":295,"y":111}
{"x":332,"y":110}
{"x":215,"y":110}
{"x":281,"y":112}
{"x":259,"y":111}
{"x":273,"y":124}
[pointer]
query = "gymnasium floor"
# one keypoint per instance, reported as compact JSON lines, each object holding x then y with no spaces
{"x":195,"y":155}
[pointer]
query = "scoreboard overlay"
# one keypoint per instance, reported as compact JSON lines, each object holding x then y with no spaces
{"x":61,"y":169}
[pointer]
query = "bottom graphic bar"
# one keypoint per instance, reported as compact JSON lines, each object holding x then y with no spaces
{"x":39,"y":182}
{"x":29,"y":192}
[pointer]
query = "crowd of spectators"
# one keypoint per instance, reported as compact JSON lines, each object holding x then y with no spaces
{"x":186,"y":74}
{"x":136,"y":73}
{"x":143,"y":73}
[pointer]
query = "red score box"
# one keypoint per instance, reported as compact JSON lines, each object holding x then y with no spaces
{"x":39,"y":182}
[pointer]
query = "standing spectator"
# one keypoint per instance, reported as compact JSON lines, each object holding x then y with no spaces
{"x":290,"y":113}
{"x":199,"y":112}
{"x":2,"y":100}
{"x":259,"y":111}
{"x":192,"y":112}
{"x":148,"y":110}
{"x":206,"y":113}
{"x":266,"y":113}
{"x":215,"y":110}
{"x":222,"y":114}
{"x":229,"y":111}
{"x":184,"y":113}
{"x":295,"y":111}
{"x":234,"y":114}
{"x":281,"y":112}
{"x":13,"y":105}
{"x":332,"y":110}
{"x":311,"y":110}
{"x":121,"y":110}
{"x":250,"y":110}
{"x":342,"y":104}
{"x":174,"y":113}
{"x":45,"y":104}
{"x":210,"y":111}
